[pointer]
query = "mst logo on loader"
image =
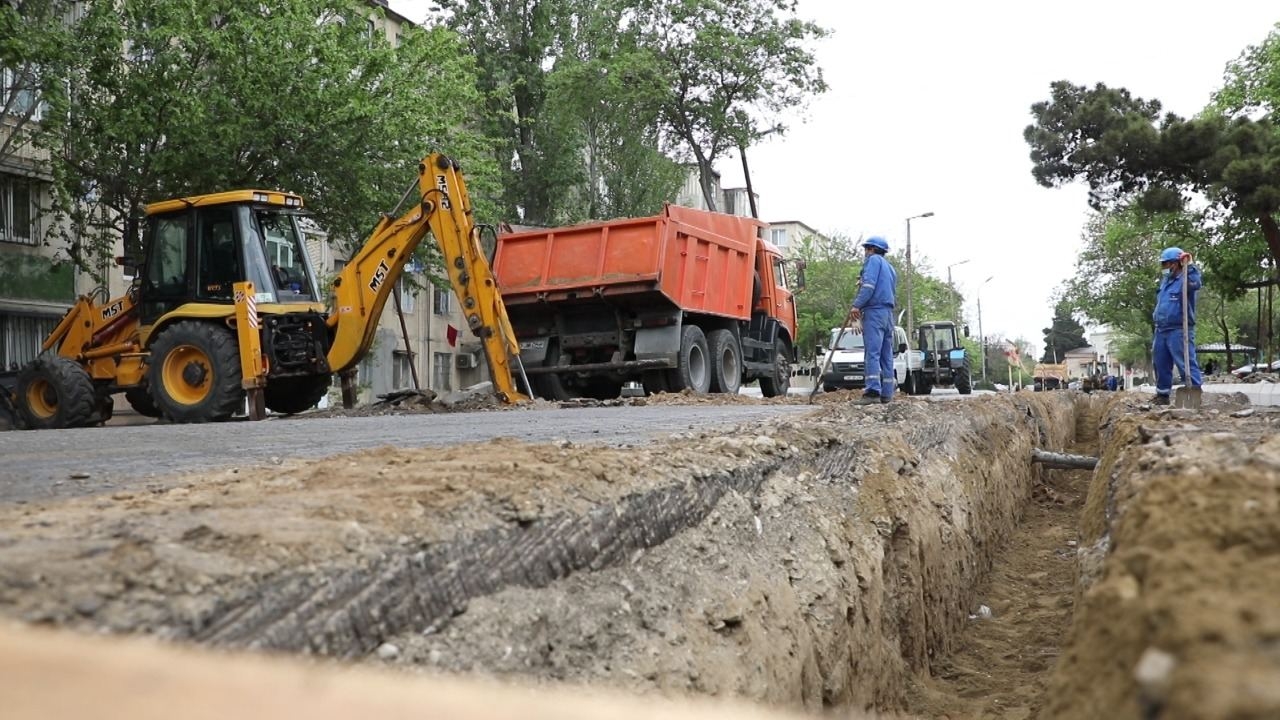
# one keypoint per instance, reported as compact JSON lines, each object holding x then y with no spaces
{"x":379,"y":276}
{"x":112,"y":310}
{"x":442,"y":184}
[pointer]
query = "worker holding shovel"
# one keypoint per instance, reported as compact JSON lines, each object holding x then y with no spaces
{"x":1175,"y":321}
{"x":873,"y":306}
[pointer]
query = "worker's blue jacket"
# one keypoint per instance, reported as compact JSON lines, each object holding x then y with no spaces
{"x":877,"y":284}
{"x":1168,"y":314}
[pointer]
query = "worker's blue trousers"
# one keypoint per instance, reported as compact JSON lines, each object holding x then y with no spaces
{"x":877,"y":335}
{"x":1166,"y":353}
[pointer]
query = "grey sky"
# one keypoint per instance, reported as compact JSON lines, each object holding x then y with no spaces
{"x":927,"y":104}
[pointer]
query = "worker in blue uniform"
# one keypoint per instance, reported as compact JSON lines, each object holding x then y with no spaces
{"x":1167,"y":349}
{"x":873,"y":305}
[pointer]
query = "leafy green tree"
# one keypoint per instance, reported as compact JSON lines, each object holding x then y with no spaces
{"x":604,"y":94}
{"x":223,"y":94}
{"x":1126,"y":152}
{"x":831,"y":277}
{"x":726,"y":65}
{"x":34,"y":48}
{"x":1117,"y":269}
{"x":1063,"y":335}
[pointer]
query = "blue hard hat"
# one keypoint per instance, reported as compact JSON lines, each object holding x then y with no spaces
{"x":876,"y":242}
{"x":1170,"y":254}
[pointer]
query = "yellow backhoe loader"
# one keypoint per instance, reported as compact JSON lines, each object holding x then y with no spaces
{"x":226,"y":307}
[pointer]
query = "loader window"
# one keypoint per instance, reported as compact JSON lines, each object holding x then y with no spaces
{"x":287,"y":257}
{"x":220,"y":266}
{"x":167,"y":264}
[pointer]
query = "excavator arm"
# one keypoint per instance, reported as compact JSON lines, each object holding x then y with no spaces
{"x":363,"y":286}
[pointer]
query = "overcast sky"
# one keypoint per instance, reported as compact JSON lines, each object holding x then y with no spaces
{"x":925,"y":113}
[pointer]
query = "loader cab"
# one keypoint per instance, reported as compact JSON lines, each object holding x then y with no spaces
{"x":938,"y":338}
{"x":197,"y":248}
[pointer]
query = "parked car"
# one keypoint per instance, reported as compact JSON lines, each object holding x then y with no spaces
{"x":1256,"y":367}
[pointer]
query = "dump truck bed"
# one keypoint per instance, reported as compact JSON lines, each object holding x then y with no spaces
{"x":700,"y":261}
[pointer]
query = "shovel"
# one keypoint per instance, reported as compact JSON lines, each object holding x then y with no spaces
{"x":856,"y":327}
{"x":1186,"y":396}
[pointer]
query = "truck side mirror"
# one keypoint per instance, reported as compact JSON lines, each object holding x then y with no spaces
{"x":129,"y":265}
{"x":966,"y":331}
{"x":902,"y":347}
{"x":819,"y":351}
{"x":800,"y":266}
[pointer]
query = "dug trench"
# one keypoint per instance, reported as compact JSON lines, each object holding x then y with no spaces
{"x":824,"y":562}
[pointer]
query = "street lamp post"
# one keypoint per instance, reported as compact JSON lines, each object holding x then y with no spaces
{"x":955,"y":303}
{"x":911,"y":318}
{"x":982,"y":339}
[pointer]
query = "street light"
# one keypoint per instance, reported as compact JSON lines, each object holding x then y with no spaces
{"x":911,"y":318}
{"x":955,"y":304}
{"x":982,"y":339}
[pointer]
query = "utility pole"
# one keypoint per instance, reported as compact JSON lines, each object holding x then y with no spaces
{"x":911,"y":318}
{"x":955,"y":302}
{"x":982,"y":339}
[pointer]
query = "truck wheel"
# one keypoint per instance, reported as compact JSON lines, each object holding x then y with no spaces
{"x":654,"y":381}
{"x":780,"y":381}
{"x":693,"y":372}
{"x":291,"y":395}
{"x":195,"y":372}
{"x":726,"y":361}
{"x":964,"y":383}
{"x":139,"y":398}
{"x":55,"y":392}
{"x":551,"y":387}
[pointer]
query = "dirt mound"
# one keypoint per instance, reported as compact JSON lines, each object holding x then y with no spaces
{"x":1179,"y":568}
{"x":807,"y":562}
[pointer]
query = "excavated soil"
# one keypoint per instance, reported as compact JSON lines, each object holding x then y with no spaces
{"x":818,"y":562}
{"x":1179,"y":569}
{"x":907,"y":560}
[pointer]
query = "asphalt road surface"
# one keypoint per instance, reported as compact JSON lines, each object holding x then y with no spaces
{"x":50,"y":464}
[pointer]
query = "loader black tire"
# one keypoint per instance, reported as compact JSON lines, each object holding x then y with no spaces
{"x":292,"y":395}
{"x":55,"y":392}
{"x":725,"y":354}
{"x":694,"y":370}
{"x":963,"y":380}
{"x":139,"y":398}
{"x":915,"y":383}
{"x":779,"y":381}
{"x":195,"y":372}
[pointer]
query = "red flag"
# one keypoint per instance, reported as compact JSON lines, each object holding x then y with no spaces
{"x":451,"y":335}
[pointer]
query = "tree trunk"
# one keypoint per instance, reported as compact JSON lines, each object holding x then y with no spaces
{"x":1271,"y":232}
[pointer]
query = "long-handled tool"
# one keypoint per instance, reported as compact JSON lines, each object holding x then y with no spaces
{"x":849,"y":324}
{"x":1186,"y":396}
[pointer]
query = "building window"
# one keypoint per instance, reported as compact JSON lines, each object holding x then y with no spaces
{"x":17,"y":210}
{"x":440,"y":300}
{"x":407,"y":295}
{"x":778,"y":237}
{"x":18,"y":93}
{"x":401,"y":370}
{"x":441,"y":372}
{"x":21,"y":337}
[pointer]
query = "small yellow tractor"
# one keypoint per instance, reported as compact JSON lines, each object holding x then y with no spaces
{"x":226,"y":307}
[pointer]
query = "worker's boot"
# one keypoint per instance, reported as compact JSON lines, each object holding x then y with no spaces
{"x":870,"y":398}
{"x":1160,"y":400}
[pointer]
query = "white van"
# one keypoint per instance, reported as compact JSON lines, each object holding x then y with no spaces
{"x":847,"y":360}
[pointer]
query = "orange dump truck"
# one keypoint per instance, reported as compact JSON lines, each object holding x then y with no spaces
{"x":687,"y":299}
